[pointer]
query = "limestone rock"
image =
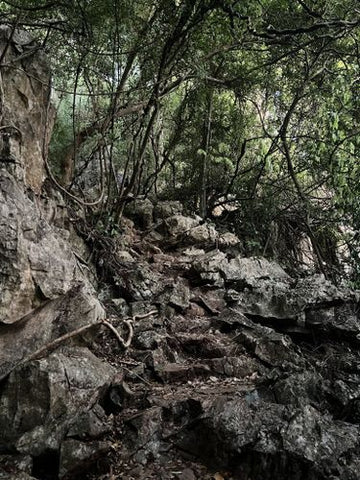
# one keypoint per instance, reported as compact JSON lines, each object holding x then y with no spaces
{"x":167,"y":209}
{"x":297,"y":441}
{"x":206,"y":268}
{"x":269,"y":346}
{"x":66,"y":313}
{"x":249,"y":271}
{"x":178,"y":226}
{"x":138,"y":282}
{"x":77,"y":457}
{"x":176,"y":295}
{"x":38,"y":263}
{"x":27,"y":112}
{"x":141,"y":211}
{"x":228,"y":239}
{"x":42,"y":399}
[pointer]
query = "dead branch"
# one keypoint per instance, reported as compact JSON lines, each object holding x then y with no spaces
{"x":145,"y":315}
{"x":124,"y":343}
{"x":127,"y":343}
{"x":137,"y":375}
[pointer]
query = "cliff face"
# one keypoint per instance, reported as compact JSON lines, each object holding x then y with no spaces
{"x":37,"y":261}
{"x":43,"y":292}
{"x":230,"y":368}
{"x":26,"y":113}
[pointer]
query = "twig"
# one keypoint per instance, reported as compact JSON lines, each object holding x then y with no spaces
{"x":127,"y":343}
{"x":145,"y":315}
{"x":79,"y":257}
{"x":137,"y":375}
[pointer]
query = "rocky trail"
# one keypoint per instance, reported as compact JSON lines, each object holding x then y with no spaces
{"x":161,"y":351}
{"x":244,"y":373}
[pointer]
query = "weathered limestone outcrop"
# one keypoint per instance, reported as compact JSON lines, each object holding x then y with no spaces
{"x":26,"y":112}
{"x":43,"y":292}
{"x":37,"y":262}
{"x":57,"y":317}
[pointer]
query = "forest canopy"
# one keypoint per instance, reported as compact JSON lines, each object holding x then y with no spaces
{"x":249,"y":108}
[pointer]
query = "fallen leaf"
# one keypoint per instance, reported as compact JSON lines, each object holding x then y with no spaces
{"x":218,"y":476}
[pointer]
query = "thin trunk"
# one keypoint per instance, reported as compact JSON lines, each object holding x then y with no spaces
{"x":205,"y":158}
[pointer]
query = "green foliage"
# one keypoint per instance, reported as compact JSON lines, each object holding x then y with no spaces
{"x":252,"y":101}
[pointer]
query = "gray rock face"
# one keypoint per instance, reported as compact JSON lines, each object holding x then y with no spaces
{"x":64,"y":314}
{"x":26,"y":112}
{"x":167,"y":209}
{"x":42,"y":400}
{"x":43,"y":293}
{"x":180,"y":230}
{"x":38,"y":263}
{"x":141,"y":211}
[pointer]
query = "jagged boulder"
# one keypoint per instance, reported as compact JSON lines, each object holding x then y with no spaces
{"x":176,"y":295}
{"x":251,"y":271}
{"x":166,"y":209}
{"x":178,"y":226}
{"x":141,"y":211}
{"x":45,"y":400}
{"x":297,"y":443}
{"x":180,"y":230}
{"x":62,"y":315}
{"x":206,"y":268}
{"x":138,"y":282}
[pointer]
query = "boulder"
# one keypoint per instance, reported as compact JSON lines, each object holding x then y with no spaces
{"x":250,"y":271}
{"x":44,"y":399}
{"x":176,"y":295}
{"x":57,"y":317}
{"x":77,"y":457}
{"x":141,"y":211}
{"x":259,"y":438}
{"x":178,"y":226}
{"x":272,"y":348}
{"x":206,"y":268}
{"x":166,"y":209}
{"x":228,"y":239}
{"x":138,"y":282}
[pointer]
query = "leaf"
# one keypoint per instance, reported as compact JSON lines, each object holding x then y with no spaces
{"x":202,"y":152}
{"x":218,"y":476}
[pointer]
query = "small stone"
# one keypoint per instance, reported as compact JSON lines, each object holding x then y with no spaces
{"x":187,"y":474}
